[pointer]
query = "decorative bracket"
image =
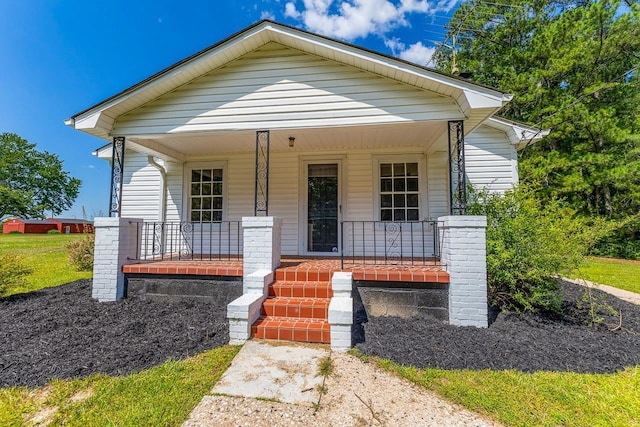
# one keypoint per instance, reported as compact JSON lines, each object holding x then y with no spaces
{"x":117,"y":171}
{"x":457,"y":177}
{"x":262,"y":174}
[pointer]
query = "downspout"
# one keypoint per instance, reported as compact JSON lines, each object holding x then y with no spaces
{"x":163,"y":197}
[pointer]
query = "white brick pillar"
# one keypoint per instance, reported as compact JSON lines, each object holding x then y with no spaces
{"x":341,"y":310}
{"x":261,"y":240}
{"x":116,"y":245}
{"x":261,"y":256}
{"x":464,"y":255}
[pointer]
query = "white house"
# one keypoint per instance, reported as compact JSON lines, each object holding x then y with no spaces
{"x":278,"y":143}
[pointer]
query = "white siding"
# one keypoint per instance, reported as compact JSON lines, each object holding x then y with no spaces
{"x":140,"y":188}
{"x":276,"y":87}
{"x":359,"y":176}
{"x":490,"y":159}
{"x":438,"y":184}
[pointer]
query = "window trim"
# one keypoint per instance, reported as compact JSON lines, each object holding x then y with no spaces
{"x":186,"y":180}
{"x":423,"y":200}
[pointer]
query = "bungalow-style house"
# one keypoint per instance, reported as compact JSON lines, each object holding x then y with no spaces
{"x":301,"y":178}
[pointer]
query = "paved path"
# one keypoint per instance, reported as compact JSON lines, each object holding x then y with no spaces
{"x":265,"y":375}
{"x":628,"y":296}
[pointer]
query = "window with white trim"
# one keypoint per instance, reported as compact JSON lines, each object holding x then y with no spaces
{"x":399,"y":191}
{"x":206,"y":194}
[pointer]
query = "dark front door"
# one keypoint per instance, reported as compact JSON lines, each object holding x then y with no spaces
{"x":322,"y":207}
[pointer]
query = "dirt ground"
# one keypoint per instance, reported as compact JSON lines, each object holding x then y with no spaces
{"x":62,"y":332}
{"x":522,"y":342}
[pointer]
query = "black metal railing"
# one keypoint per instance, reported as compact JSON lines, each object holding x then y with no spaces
{"x":183,"y":240}
{"x":389,"y":243}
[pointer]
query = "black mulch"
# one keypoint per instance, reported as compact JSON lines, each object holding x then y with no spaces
{"x":62,"y":332}
{"x":526,"y":343}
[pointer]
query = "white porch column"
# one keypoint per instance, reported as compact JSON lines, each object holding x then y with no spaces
{"x":464,"y":254}
{"x":116,"y":244}
{"x":261,"y":256}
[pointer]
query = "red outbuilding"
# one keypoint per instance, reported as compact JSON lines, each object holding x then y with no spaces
{"x":42,"y":226}
{"x":28,"y":226}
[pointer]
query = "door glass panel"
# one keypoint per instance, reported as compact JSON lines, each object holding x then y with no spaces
{"x":322,"y":208}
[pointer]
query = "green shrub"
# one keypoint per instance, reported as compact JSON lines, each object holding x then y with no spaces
{"x":81,"y":252}
{"x":53,"y":232}
{"x":528,"y":246}
{"x":12,"y":272}
{"x":14,"y":232}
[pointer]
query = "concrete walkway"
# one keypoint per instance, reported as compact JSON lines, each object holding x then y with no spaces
{"x":274,"y":371}
{"x":628,"y":296}
{"x":273,"y":384}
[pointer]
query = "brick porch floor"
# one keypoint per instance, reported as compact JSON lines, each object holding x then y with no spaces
{"x":299,"y":269}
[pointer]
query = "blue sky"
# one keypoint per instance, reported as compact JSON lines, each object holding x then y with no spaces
{"x":59,"y":57}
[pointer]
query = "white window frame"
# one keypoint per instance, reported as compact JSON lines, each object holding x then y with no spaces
{"x":188,"y":168}
{"x":418,"y":158}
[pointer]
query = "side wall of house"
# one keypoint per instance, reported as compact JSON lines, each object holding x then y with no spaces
{"x":490,"y":159}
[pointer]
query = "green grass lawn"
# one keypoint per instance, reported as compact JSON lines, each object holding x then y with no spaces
{"x":621,"y":274}
{"x":539,"y":399}
{"x":160,"y":396}
{"x":46,"y":255}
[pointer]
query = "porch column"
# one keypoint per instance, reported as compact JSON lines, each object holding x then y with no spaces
{"x":457,"y":173}
{"x":464,"y":256}
{"x":117,"y":170}
{"x":261,"y":198}
{"x":116,"y":244}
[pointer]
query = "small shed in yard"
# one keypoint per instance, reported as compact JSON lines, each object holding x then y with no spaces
{"x":28,"y":226}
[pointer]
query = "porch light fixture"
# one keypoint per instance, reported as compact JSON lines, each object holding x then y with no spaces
{"x":292,"y":139}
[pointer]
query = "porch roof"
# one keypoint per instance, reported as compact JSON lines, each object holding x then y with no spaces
{"x":477,"y":102}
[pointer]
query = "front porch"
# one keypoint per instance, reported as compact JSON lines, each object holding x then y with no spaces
{"x":313,"y":299}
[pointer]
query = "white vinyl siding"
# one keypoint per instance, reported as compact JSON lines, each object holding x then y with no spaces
{"x":438,"y":185}
{"x":141,"y":188}
{"x":254,"y":92}
{"x":490,"y":159}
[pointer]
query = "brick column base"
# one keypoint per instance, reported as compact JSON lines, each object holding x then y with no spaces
{"x":116,"y":244}
{"x":464,"y":255}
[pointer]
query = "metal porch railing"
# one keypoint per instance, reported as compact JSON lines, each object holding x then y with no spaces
{"x":184,"y":240}
{"x":389,"y":243}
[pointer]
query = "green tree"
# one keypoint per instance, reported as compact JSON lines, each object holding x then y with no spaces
{"x":32,"y":182}
{"x":574,"y":68}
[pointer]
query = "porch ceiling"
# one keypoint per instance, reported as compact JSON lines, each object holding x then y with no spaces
{"x":183,"y":147}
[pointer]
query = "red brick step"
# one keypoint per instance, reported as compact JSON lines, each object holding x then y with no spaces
{"x":288,"y":289}
{"x":292,"y":329}
{"x":301,"y":308}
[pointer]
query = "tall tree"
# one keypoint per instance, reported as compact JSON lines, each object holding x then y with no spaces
{"x":573,"y":66}
{"x":32,"y":182}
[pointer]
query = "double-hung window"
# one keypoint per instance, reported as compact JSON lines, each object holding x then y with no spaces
{"x":206,"y":194}
{"x":399,"y":191}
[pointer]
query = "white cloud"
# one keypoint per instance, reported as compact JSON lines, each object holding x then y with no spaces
{"x":266,"y":14}
{"x":351,"y":19}
{"x":417,"y":53}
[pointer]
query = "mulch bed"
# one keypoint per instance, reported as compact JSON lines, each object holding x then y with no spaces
{"x":526,"y":343}
{"x":62,"y":332}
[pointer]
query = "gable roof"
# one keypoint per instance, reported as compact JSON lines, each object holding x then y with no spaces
{"x":98,"y":120}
